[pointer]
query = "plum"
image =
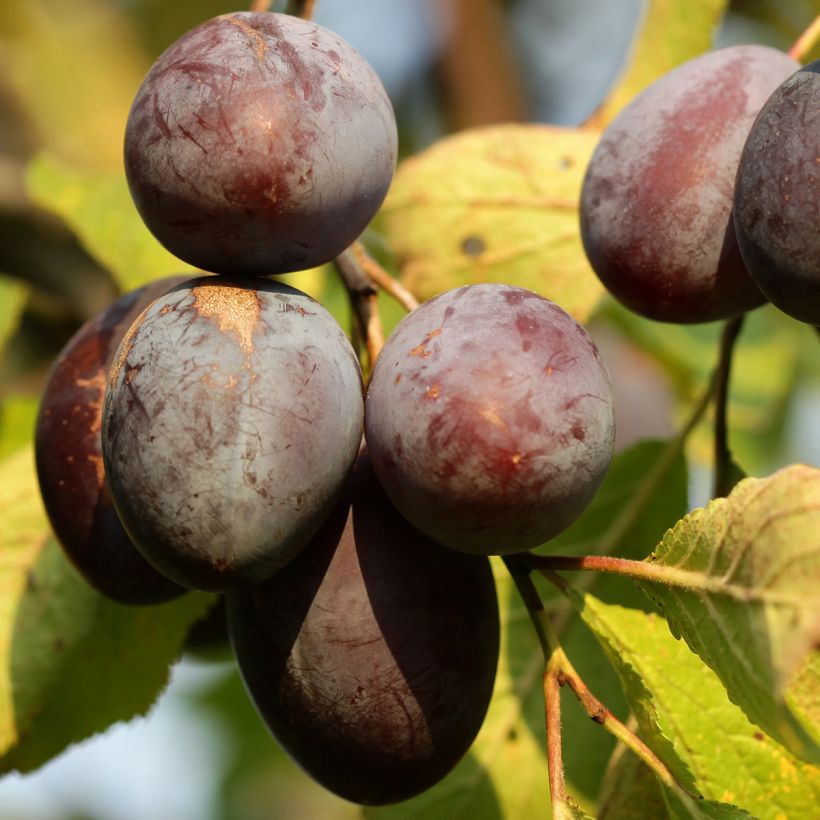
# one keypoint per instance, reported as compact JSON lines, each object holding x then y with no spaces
{"x":69,"y":458}
{"x":656,"y":203}
{"x":259,"y":143}
{"x":776,"y":211}
{"x":489,"y":418}
{"x":232,"y":415}
{"x":372,"y":655}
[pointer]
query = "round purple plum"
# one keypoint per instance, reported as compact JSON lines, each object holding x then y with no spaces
{"x":69,"y":458}
{"x":489,"y":419}
{"x":777,"y":208}
{"x":372,"y":655}
{"x":259,"y":143}
{"x":656,"y":204}
{"x":232,"y":415}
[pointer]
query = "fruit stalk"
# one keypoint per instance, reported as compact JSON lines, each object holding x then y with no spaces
{"x":806,"y":41}
{"x":723,"y":456}
{"x":363,"y":295}
{"x":392,"y":287}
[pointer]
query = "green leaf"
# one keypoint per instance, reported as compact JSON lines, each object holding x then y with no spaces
{"x":505,"y":774}
{"x":496,"y":204}
{"x":17,"y":418}
{"x":71,"y":662}
{"x":671,"y":32}
{"x":677,"y":697}
{"x":569,"y":810}
{"x":740,"y":580}
{"x":685,"y":808}
{"x":13,"y":295}
{"x":99,"y":209}
{"x":628,"y":783}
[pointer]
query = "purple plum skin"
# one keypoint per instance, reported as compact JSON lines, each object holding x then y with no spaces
{"x":656,"y":204}
{"x":70,"y":469}
{"x":259,"y":143}
{"x":489,"y":419}
{"x":232,"y":415}
{"x":372,"y":655}
{"x":777,"y":209}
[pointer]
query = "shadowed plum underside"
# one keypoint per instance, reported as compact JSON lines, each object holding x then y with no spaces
{"x":259,"y":143}
{"x":372,"y":655}
{"x":70,"y":467}
{"x":489,"y":419}
{"x":777,"y":216}
{"x":656,"y":204}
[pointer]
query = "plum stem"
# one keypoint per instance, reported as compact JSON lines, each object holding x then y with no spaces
{"x":559,"y":672}
{"x":260,"y":5}
{"x":362,"y":293}
{"x":362,"y":277}
{"x":723,"y":458}
{"x":383,"y":279}
{"x":806,"y":41}
{"x":301,"y":8}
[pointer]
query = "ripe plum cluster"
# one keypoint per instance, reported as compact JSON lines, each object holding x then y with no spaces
{"x":215,"y":433}
{"x":209,"y":433}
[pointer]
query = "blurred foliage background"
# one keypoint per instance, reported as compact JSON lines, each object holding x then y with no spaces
{"x":68,"y":72}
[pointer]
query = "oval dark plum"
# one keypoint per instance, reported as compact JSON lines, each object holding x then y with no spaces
{"x":777,"y":211}
{"x":372,"y":655}
{"x":70,"y":464}
{"x":489,"y":419}
{"x":232,"y":415}
{"x":656,"y":203}
{"x":259,"y":143}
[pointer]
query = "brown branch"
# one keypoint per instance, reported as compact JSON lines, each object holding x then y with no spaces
{"x":555,"y":755}
{"x":559,"y":672}
{"x":478,"y":71}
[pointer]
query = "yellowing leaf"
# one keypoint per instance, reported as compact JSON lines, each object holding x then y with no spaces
{"x":496,"y":204}
{"x":98,"y":208}
{"x":671,"y":32}
{"x":75,"y":66}
{"x":22,"y":538}
{"x":17,"y":418}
